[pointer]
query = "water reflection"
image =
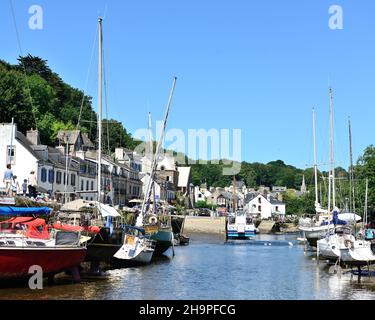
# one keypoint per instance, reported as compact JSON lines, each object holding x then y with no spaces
{"x":209,"y":269}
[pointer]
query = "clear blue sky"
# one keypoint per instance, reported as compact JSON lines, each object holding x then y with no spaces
{"x":255,"y":65}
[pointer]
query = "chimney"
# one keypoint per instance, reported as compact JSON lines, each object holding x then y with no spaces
{"x":119,"y":154}
{"x":33,"y":137}
{"x":61,"y":149}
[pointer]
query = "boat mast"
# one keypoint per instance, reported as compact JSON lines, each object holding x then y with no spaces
{"x":366,"y":203}
{"x":100,"y":110}
{"x":352,"y":189}
{"x":234,"y":194}
{"x":332,"y":159}
{"x":315,"y":161}
{"x":147,"y":197}
{"x":151,"y":155}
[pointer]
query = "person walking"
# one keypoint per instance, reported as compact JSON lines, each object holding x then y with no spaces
{"x":24,"y":187}
{"x":8,"y":178}
{"x":15,"y":186}
{"x":32,"y":184}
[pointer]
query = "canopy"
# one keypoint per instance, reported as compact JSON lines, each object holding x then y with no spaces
{"x":76,"y":205}
{"x":107,"y":211}
{"x":23,"y":211}
{"x":349,"y":217}
{"x":136,"y":201}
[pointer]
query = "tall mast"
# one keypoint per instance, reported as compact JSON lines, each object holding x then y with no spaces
{"x":332,"y":159}
{"x":366,"y":203}
{"x":352,"y":189}
{"x":234,"y":194}
{"x":100,"y":109}
{"x":147,"y":197}
{"x":151,"y":155}
{"x":315,"y":160}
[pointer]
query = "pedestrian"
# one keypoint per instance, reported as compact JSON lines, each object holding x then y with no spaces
{"x":24,"y":187}
{"x":32,"y":184}
{"x":8,"y":178}
{"x":15,"y":186}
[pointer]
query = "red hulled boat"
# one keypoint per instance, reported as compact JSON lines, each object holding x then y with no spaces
{"x":26,"y":242}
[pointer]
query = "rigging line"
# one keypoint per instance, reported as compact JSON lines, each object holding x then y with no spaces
{"x":23,"y":65}
{"x":68,"y":165}
{"x":106,"y":101}
{"x":87,"y":77}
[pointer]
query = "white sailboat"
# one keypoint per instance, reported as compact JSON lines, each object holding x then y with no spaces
{"x":358,"y":252}
{"x":315,"y":230}
{"x":137,"y":248}
{"x":330,"y":247}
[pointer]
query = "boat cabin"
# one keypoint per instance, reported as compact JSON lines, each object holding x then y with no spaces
{"x":27,"y":226}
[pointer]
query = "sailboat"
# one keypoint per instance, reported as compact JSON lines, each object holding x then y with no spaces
{"x":330,"y":246}
{"x":25,"y":241}
{"x":157,"y":227}
{"x":137,"y":247}
{"x":358,"y":252}
{"x":107,"y":241}
{"x":325,"y":219}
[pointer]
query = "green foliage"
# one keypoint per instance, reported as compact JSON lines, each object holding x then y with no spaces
{"x":54,"y":105}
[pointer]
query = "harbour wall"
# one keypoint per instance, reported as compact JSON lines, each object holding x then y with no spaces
{"x":212,"y":225}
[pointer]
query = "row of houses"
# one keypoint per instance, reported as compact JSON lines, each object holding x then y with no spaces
{"x":264,"y":202}
{"x":70,"y":170}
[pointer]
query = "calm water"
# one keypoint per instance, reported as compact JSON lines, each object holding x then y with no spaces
{"x":209,"y":269}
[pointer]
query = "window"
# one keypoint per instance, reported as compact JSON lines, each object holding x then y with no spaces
{"x":43,"y":175}
{"x":259,"y":208}
{"x":162,"y":168}
{"x":260,"y":200}
{"x":87,"y":185}
{"x":73,"y":179}
{"x":51,"y":176}
{"x":277,"y":208}
{"x":58,"y":177}
{"x":11,"y":155}
{"x":168,"y":178}
{"x":82,"y":184}
{"x":66,"y":180}
{"x":92,"y":185}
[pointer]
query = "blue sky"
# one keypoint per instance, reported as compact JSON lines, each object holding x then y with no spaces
{"x":259,"y":66}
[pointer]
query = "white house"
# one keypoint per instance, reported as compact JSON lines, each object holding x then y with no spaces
{"x":264,"y":206}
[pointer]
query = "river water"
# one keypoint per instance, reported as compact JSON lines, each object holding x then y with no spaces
{"x":208,"y":269}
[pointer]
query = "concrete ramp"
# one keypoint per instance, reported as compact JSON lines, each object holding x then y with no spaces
{"x":266,"y":226}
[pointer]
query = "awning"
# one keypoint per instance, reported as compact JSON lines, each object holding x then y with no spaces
{"x":24,"y":211}
{"x":107,"y":211}
{"x":76,"y":205}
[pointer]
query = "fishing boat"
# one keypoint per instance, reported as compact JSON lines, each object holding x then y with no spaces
{"x":240,"y":226}
{"x":26,"y":241}
{"x":137,"y":248}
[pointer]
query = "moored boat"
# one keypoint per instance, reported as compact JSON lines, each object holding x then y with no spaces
{"x":240,"y":226}
{"x":137,"y":248}
{"x":27,"y":242}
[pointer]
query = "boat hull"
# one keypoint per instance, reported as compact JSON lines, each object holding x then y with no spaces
{"x":16,"y":262}
{"x":164,"y":240}
{"x":328,"y":250}
{"x":313,"y":234}
{"x":240,"y":235}
{"x":359,"y":254}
